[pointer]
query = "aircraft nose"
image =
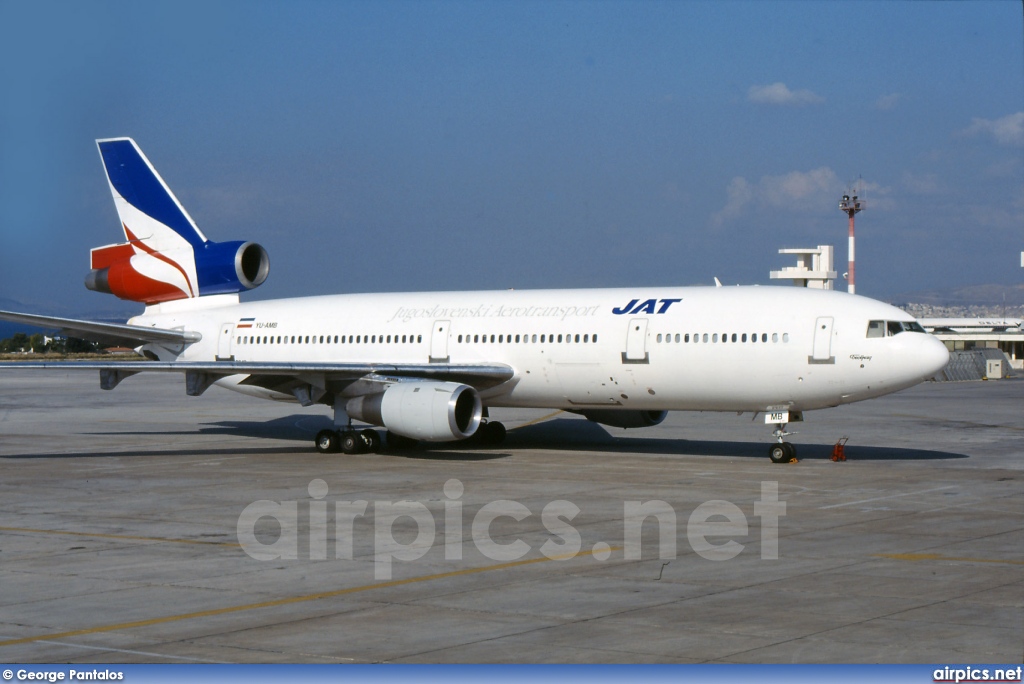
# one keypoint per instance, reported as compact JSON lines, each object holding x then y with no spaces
{"x":932,"y":356}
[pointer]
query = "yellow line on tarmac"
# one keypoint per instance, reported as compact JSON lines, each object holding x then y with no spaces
{"x":294,"y":599}
{"x":120,"y":536}
{"x":937,"y":556}
{"x":539,"y":420}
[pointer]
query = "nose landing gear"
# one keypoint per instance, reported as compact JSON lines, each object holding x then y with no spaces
{"x":783,"y":451}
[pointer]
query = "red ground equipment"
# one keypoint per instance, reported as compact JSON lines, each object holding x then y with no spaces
{"x":839,"y":451}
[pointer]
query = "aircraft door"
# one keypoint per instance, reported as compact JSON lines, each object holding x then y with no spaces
{"x":439,"y":342}
{"x":227,"y":334}
{"x":822,"y":352}
{"x":636,"y":342}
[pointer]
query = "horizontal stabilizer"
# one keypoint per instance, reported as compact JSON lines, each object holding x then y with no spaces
{"x":104,"y":333}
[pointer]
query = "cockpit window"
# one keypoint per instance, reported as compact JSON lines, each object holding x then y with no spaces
{"x":890,"y":328}
{"x":913,"y":326}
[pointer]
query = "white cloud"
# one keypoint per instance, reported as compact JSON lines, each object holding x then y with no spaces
{"x":796,"y":190}
{"x":1008,"y":130}
{"x":779,"y":94}
{"x":927,"y":184}
{"x":795,"y":187}
{"x":740,"y":194}
{"x":888,"y":102}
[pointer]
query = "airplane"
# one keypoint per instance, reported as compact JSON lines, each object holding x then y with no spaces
{"x":428,"y":366}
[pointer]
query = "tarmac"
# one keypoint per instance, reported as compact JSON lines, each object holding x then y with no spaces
{"x":143,"y":525}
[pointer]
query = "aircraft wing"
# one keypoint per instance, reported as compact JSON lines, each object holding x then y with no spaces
{"x":285,"y":377}
{"x":105,"y":333}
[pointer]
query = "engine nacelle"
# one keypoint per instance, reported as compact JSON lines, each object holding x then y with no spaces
{"x":427,"y":410}
{"x":208,"y":269}
{"x":229,"y":267}
{"x":623,"y":418}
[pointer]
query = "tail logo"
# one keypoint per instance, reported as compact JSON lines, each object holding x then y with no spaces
{"x":166,"y":256}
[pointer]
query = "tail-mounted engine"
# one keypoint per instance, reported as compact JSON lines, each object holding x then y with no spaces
{"x":133,"y":273}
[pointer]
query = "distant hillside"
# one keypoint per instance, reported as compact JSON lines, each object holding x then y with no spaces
{"x":118,"y":312}
{"x":970,"y":295}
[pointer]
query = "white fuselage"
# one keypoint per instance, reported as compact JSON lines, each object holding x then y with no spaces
{"x":673,"y":348}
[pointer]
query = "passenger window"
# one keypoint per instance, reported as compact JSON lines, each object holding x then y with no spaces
{"x":764,"y":337}
{"x":659,"y":337}
{"x":775,"y":337}
{"x":785,"y":337}
{"x":744,"y":338}
{"x":595,"y":338}
{"x":714,"y":338}
{"x":876,"y":328}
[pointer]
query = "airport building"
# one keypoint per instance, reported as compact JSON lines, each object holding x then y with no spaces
{"x":983,"y":339}
{"x":814,"y":268}
{"x":968,"y":334}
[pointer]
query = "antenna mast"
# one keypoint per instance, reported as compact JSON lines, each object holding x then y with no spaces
{"x":850,"y":206}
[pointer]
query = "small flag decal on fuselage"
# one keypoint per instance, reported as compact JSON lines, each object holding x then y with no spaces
{"x":245,"y":322}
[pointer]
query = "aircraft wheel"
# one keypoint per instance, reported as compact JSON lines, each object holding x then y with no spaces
{"x":327,"y":442}
{"x":371,"y":438}
{"x":791,"y":450}
{"x":351,"y":443}
{"x":493,"y":432}
{"x":778,"y":453}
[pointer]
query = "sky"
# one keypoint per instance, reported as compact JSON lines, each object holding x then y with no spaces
{"x":393,"y":146}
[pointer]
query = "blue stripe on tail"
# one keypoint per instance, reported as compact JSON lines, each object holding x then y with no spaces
{"x":134,"y":179}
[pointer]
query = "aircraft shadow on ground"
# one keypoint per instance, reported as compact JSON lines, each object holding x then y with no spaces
{"x":567,"y":434}
{"x":560,"y":434}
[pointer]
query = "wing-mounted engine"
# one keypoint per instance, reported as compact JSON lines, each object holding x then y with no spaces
{"x":426,"y":410}
{"x":623,"y":418}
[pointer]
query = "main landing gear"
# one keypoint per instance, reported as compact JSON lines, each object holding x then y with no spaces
{"x":490,"y":433}
{"x":783,"y":452}
{"x":348,"y":441}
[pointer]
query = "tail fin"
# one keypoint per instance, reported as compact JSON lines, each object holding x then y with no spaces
{"x":166,"y":256}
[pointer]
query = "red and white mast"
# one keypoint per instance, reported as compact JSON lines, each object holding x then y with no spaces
{"x":850,"y":206}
